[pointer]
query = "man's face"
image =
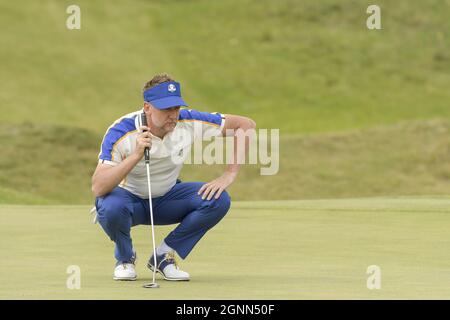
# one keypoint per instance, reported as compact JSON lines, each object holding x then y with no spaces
{"x":164,"y":120}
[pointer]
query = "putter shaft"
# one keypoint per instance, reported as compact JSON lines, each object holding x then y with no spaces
{"x":153,"y":284}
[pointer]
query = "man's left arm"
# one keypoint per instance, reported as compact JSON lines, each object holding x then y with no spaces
{"x":235,"y":126}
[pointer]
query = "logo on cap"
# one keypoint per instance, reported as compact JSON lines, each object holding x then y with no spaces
{"x":171,"y":88}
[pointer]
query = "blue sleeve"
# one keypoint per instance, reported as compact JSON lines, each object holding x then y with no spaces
{"x":214,"y":119}
{"x":114,"y":134}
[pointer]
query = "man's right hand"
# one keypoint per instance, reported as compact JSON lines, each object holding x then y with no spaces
{"x":143,"y":140}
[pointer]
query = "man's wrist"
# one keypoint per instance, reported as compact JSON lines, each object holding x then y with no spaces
{"x":233,"y":172}
{"x":136,"y":157}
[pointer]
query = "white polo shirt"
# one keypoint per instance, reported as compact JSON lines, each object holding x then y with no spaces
{"x":166,"y":155}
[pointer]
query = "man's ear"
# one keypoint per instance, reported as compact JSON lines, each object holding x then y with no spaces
{"x":148,"y":112}
{"x":147,"y":107}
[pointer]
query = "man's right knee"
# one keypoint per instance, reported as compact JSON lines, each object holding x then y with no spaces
{"x":113,"y":210}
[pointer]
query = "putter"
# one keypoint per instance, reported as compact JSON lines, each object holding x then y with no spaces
{"x":153,"y":284}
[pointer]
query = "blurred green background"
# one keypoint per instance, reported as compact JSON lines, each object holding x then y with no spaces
{"x":361,"y":112}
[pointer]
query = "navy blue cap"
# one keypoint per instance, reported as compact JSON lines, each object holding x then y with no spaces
{"x":165,"y":95}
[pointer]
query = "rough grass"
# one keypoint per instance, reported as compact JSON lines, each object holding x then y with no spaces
{"x":45,"y":164}
{"x":50,"y":162}
{"x":410,"y":158}
{"x":316,"y":249}
{"x":304,"y":67}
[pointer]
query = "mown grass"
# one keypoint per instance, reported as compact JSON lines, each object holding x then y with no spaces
{"x":317,"y":249}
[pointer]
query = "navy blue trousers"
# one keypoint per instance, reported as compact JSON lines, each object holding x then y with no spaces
{"x":120,"y":210}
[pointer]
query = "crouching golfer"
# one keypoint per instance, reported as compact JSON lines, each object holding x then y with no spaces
{"x":120,"y":181}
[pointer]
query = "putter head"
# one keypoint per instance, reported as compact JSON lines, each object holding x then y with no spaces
{"x":151,"y":285}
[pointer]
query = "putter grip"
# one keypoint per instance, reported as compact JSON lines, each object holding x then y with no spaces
{"x":147,"y":149}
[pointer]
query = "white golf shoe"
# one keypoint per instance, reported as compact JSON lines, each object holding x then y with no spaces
{"x":168,"y":267}
{"x":125,"y":270}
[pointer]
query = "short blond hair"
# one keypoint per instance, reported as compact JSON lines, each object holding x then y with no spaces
{"x":157,"y":79}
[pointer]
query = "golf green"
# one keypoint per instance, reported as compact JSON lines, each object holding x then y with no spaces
{"x":308,"y":249}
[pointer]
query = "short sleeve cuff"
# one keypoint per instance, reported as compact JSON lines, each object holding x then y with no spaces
{"x":111,"y":163}
{"x":222,"y":123}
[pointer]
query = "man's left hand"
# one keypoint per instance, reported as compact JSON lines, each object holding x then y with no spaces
{"x":216,"y":187}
